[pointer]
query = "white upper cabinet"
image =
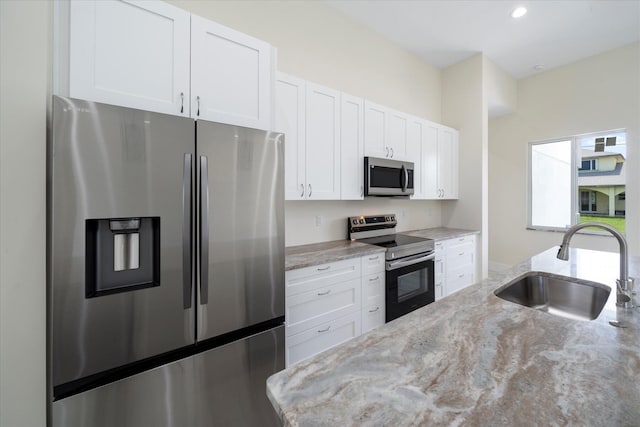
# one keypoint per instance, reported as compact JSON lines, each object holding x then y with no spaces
{"x":397,"y":142}
{"x":448,"y":163}
{"x":154,"y":56}
{"x":323,"y":143}
{"x":376,"y":127}
{"x":130,"y":53}
{"x":351,"y":147}
{"x":308,"y":114}
{"x":230,"y":75}
{"x":290,"y":119}
{"x":439,"y":162}
{"x":415,"y":131}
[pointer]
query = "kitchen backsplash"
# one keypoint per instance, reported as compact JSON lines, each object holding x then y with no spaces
{"x":322,"y":221}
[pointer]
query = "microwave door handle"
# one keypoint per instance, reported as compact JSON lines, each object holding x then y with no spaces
{"x":187,"y":287}
{"x":393,"y":265}
{"x":204,"y":231}
{"x":403,"y":179}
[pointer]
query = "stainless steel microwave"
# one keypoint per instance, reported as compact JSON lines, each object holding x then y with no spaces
{"x":386,"y":177}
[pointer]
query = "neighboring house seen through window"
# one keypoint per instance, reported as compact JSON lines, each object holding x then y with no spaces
{"x":578,"y":179}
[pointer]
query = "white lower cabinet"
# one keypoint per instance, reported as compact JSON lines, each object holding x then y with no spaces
{"x":454,"y":265}
{"x":331,"y":303}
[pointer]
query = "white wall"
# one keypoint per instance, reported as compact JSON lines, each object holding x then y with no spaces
{"x":501,"y":90}
{"x":595,"y":94}
{"x":24,"y":80}
{"x":464,"y":107}
{"x":318,"y":44}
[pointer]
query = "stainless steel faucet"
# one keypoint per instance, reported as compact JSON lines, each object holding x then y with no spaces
{"x":624,"y":283}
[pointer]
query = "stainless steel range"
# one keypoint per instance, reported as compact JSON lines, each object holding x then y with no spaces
{"x":409,"y":262}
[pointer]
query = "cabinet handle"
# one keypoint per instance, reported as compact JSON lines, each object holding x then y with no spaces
{"x":461,"y":239}
{"x":198,"y":101}
{"x":374,"y":279}
{"x":325,"y":329}
{"x":301,"y":190}
{"x":461,"y":253}
{"x":324,"y":268}
{"x":387,"y":148}
{"x":310,"y":190}
{"x":182,"y":102}
{"x":324,"y":293}
{"x":460,"y":276}
{"x":391,"y":152}
{"x":361,"y":191}
{"x":374,"y":310}
{"x":374,"y":258}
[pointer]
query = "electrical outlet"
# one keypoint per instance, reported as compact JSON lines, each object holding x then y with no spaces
{"x":319,"y":220}
{"x":404,"y":213}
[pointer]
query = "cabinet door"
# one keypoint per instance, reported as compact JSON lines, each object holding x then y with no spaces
{"x":290,"y":119}
{"x":398,"y":123}
{"x":230,"y":76}
{"x":447,"y":163}
{"x":414,"y":154}
{"x":134,"y":54}
{"x":351,"y":147}
{"x":429,"y":162}
{"x":375,"y":130}
{"x":323,"y":143}
{"x":439,"y":273}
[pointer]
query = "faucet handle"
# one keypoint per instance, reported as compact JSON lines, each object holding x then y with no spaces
{"x":624,"y":297}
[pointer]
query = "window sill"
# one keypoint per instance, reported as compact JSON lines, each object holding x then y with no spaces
{"x":564,"y":230}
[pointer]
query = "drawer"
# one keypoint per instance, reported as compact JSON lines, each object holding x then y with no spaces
{"x":373,"y":285}
{"x":320,"y":276}
{"x":373,"y":312}
{"x":460,"y":278}
{"x":462,"y":240}
{"x":438,"y":290}
{"x":322,"y":337}
{"x":373,"y":263}
{"x":460,"y":255}
{"x":309,"y":309}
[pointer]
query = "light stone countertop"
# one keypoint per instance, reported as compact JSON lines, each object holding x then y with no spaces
{"x":322,"y":253}
{"x":474,"y":359}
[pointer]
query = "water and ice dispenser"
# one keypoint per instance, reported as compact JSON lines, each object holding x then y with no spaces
{"x":123,"y":254}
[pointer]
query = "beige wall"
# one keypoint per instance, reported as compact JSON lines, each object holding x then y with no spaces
{"x":501,"y":90}
{"x":24,"y":80}
{"x":596,"y":94}
{"x":318,"y":44}
{"x":464,"y":107}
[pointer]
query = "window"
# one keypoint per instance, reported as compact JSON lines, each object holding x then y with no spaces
{"x":577,"y":179}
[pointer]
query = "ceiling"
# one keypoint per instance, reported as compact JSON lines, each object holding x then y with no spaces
{"x":551,"y":34}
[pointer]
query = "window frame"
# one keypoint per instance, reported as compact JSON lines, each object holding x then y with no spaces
{"x":576,"y":160}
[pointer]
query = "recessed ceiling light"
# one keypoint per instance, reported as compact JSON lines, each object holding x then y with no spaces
{"x":519,"y":12}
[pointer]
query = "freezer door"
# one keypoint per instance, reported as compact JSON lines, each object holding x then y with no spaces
{"x":120,"y":248}
{"x":225,"y":386}
{"x":240,"y":228}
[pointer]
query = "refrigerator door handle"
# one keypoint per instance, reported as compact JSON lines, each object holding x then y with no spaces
{"x":187,"y":286}
{"x":204,"y":231}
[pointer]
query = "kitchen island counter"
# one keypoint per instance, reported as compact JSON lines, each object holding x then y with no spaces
{"x":475,"y":359}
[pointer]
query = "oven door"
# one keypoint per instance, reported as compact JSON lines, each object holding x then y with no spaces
{"x":410,"y":284}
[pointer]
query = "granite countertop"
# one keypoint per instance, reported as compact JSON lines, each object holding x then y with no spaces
{"x":440,"y":233}
{"x":322,"y":253}
{"x":474,"y":359}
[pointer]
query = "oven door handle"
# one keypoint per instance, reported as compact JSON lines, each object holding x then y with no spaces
{"x":394,"y":265}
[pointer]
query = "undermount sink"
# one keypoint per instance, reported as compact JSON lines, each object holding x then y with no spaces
{"x":558,"y":295}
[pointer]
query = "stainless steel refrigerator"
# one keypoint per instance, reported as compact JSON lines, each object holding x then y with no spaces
{"x":165,"y":269}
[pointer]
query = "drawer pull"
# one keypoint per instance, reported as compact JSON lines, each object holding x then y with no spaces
{"x":461,"y":253}
{"x":461,"y":239}
{"x":374,"y":279}
{"x":324,"y":268}
{"x":324,"y":293}
{"x":324,"y":330}
{"x":374,"y":258}
{"x":374,"y":310}
{"x":462,"y":275}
